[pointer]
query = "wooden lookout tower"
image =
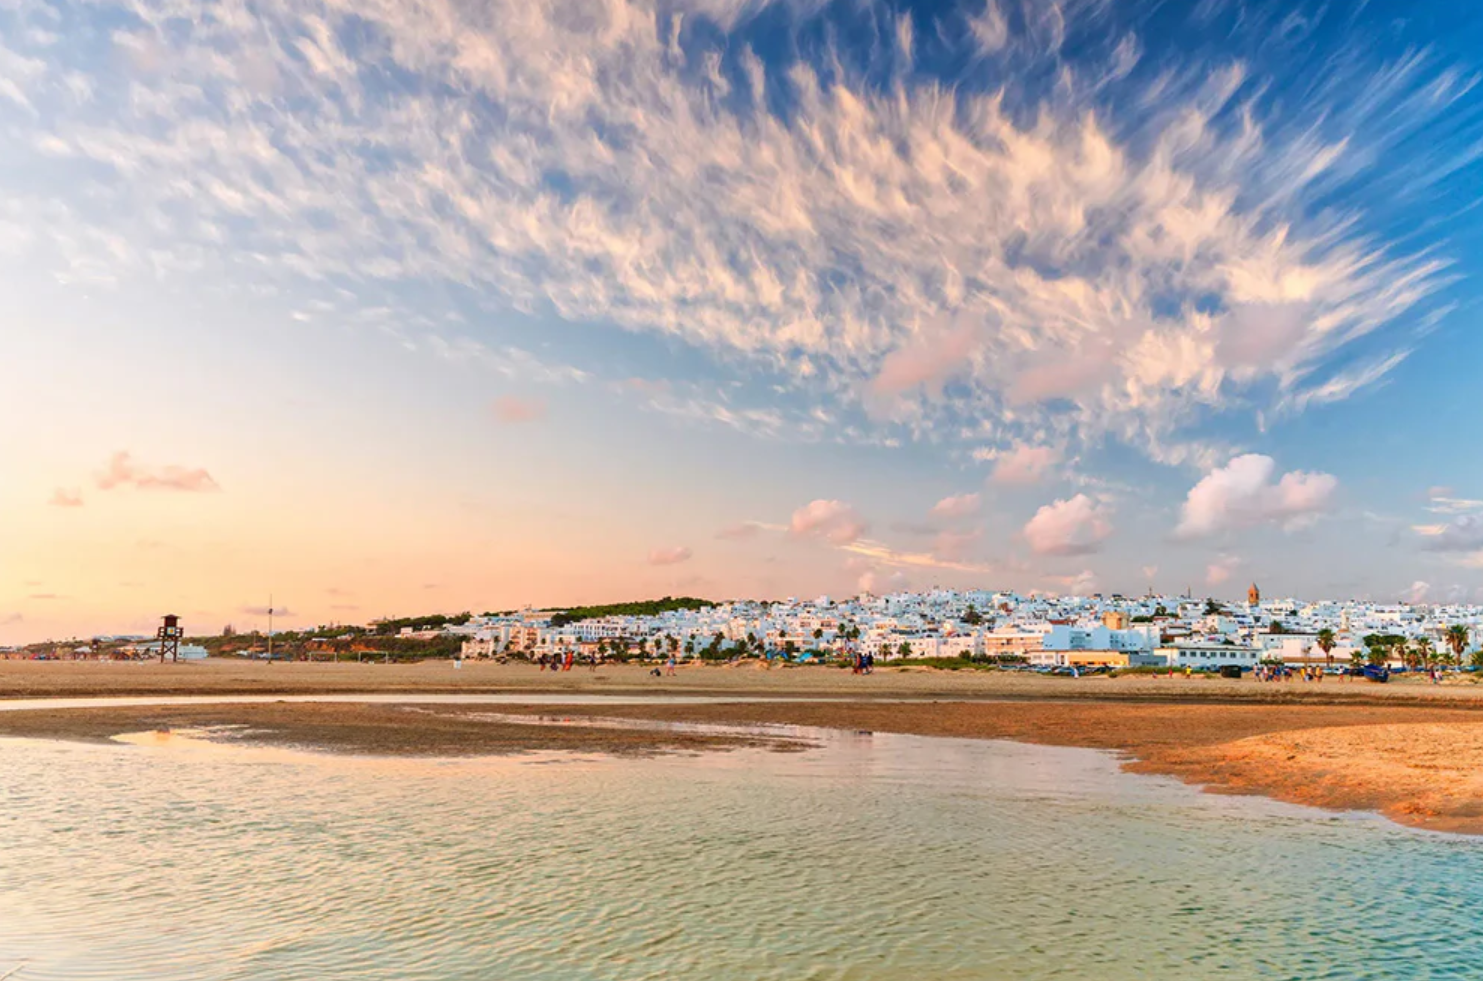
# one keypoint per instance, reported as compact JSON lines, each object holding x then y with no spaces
{"x":169,"y":637}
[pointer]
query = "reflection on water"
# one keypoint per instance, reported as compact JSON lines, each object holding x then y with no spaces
{"x":870,"y":857}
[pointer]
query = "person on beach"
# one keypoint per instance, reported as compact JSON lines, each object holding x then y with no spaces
{"x":669,"y":666}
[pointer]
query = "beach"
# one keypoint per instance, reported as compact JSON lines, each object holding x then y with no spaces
{"x":1408,"y":751}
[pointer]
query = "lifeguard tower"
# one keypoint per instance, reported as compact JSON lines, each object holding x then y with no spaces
{"x":169,"y":636}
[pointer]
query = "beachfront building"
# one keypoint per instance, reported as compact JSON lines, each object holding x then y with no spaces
{"x":1210,"y":655}
{"x":1013,"y":643}
{"x":1063,"y":637}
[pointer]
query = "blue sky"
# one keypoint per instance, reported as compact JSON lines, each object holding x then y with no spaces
{"x":392,"y":307}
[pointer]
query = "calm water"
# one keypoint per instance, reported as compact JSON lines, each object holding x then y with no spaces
{"x":872,"y":857}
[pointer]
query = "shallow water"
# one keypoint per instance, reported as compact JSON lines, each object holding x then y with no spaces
{"x":870,"y":857}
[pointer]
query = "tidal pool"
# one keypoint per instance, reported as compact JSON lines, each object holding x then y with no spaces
{"x":867,"y":857}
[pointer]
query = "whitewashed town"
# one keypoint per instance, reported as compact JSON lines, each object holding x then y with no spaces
{"x":1005,"y":627}
{"x":1048,"y":633}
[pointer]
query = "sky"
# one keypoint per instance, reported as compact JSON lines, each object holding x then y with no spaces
{"x":391,"y":307}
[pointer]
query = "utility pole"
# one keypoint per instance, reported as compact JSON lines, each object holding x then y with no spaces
{"x":270,"y":628}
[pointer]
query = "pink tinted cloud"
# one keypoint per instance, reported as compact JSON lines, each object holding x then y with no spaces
{"x":1221,"y":570}
{"x":954,"y":546}
{"x":927,"y":361}
{"x":514,"y":411}
{"x":1023,"y":464}
{"x":740,"y":531}
{"x":833,"y":521}
{"x":1243,"y":494}
{"x":1077,"y":526}
{"x":1063,"y":376}
{"x":262,"y":611}
{"x":957,"y":506}
{"x":673,"y":555}
{"x":122,"y":471}
{"x":876,"y":582}
{"x":63,"y":498}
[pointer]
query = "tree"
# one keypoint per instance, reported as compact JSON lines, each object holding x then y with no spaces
{"x":973,"y":618}
{"x":1326,"y":644}
{"x":1276,"y":627}
{"x":1213,"y":608}
{"x":1457,"y":639}
{"x":904,"y":649}
{"x":1423,"y":652}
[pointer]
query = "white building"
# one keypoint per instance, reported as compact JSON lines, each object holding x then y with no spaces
{"x":1211,"y":655}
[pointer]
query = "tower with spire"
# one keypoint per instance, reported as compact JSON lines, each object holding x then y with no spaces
{"x":1253,"y":596}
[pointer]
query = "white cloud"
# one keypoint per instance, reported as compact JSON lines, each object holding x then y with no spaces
{"x":615,"y":163}
{"x":1076,"y":526}
{"x":1083,"y":583}
{"x":957,"y":506}
{"x":833,"y":521}
{"x":878,"y":583}
{"x":672,"y":555}
{"x":1221,"y":569}
{"x":1417,"y":592}
{"x":1023,"y":464}
{"x":1445,"y":503}
{"x":1242,"y":494}
{"x":1463,"y":533}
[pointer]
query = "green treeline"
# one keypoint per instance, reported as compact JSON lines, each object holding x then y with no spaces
{"x":642,"y":608}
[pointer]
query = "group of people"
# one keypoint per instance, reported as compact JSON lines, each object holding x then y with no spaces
{"x":862,"y":662}
{"x":564,"y":662}
{"x":1281,"y":672}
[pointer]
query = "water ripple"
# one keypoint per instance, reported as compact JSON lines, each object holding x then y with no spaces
{"x":884,"y":859}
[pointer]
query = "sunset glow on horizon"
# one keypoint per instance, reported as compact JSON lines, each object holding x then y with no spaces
{"x":384,"y":308}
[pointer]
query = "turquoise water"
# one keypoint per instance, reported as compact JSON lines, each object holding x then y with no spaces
{"x":870,"y":857}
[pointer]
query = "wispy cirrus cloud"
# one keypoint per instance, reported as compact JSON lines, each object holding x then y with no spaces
{"x":1124,"y":250}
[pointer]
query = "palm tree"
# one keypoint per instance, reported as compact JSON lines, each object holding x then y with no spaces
{"x":1425,"y":652}
{"x":904,"y":650}
{"x":1326,"y":644}
{"x":1457,"y":639}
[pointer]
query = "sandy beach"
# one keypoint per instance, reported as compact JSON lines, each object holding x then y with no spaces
{"x":1410,"y":751}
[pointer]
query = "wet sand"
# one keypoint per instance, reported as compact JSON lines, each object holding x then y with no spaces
{"x":26,"y":679}
{"x":380,"y":730}
{"x":1413,"y":752}
{"x":1418,"y":766}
